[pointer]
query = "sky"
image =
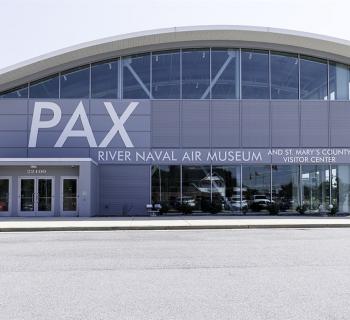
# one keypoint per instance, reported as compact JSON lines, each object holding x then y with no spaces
{"x":33,"y":27}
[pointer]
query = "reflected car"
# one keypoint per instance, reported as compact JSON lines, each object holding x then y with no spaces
{"x":3,"y":206}
{"x":236,"y":204}
{"x":260,"y":202}
{"x":186,"y":200}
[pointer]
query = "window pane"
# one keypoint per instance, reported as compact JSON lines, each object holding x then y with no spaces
{"x":341,"y":188}
{"x":256,"y":186}
{"x":166,"y":75}
{"x":225,"y":74}
{"x":45,"y":88}
{"x":315,"y":187}
{"x":75,"y":83}
{"x":166,"y":187}
{"x":226,"y":188}
{"x":136,"y":77}
{"x":4,"y":194}
{"x":20,"y":93}
{"x":196,"y":187}
{"x":195,"y":74}
{"x":104,"y":80}
{"x":285,"y":187}
{"x":338,"y":81}
{"x":255,"y":74}
{"x":284,"y":76}
{"x":313,"y":79}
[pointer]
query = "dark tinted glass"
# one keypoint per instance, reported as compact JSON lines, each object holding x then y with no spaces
{"x":195,"y":74}
{"x":313,"y":79}
{"x":166,"y":75}
{"x":136,"y":77}
{"x":20,"y":93}
{"x":225,"y":74}
{"x":75,"y":83}
{"x":104,"y":80}
{"x":338,"y":81}
{"x":255,"y":74}
{"x":284,"y":76}
{"x":45,"y":88}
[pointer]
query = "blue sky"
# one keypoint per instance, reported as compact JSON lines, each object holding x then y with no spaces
{"x":33,"y":27}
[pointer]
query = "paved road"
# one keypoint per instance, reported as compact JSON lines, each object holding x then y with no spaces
{"x":203,"y":274}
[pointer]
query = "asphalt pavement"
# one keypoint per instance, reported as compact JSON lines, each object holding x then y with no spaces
{"x":178,"y":274}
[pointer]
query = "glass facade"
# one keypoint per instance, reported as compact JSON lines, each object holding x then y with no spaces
{"x":104,"y":80}
{"x":313,"y":79}
{"x":137,"y":77}
{"x":208,"y":73}
{"x":46,"y":88}
{"x":284,"y":76}
{"x":255,"y":74}
{"x":166,"y":75}
{"x":75,"y":83}
{"x":195,"y":74}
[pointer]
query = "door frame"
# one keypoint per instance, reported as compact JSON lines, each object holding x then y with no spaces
{"x":36,"y":213}
{"x":9,"y":211}
{"x":68,"y":213}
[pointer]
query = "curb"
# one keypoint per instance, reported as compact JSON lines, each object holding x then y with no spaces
{"x":201,"y":227}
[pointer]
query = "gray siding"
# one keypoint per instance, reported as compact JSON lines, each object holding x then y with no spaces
{"x":340,"y":124}
{"x":124,"y":189}
{"x":255,"y":123}
{"x":225,"y":128}
{"x":314,"y":123}
{"x":285,"y":127}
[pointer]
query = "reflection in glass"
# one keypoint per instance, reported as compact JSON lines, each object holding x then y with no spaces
{"x":70,"y":194}
{"x":27,"y":194}
{"x":166,"y":188}
{"x":313,"y":79}
{"x":341,"y":187}
{"x":166,"y":75}
{"x":136,"y":76}
{"x":75,"y":83}
{"x":4,"y":194}
{"x":196,"y":187}
{"x":255,"y":74}
{"x":315,"y":187}
{"x":285,"y":186}
{"x":256,"y":182}
{"x":17,"y":93}
{"x":44,"y":194}
{"x":284,"y":76}
{"x":224,"y":74}
{"x":195,"y":74}
{"x":338,"y":81}
{"x":45,"y":88}
{"x":104,"y":80}
{"x":226,"y":188}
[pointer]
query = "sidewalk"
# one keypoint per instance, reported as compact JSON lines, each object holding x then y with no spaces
{"x":168,"y":223}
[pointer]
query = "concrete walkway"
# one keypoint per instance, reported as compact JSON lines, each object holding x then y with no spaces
{"x":168,"y":223}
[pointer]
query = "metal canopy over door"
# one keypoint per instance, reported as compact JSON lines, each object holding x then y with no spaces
{"x":36,"y":196}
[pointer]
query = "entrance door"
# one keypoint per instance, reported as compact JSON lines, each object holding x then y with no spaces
{"x":5,"y":187}
{"x":69,"y":196}
{"x":36,"y":196}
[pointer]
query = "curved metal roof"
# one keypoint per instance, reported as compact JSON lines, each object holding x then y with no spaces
{"x":272,"y":38}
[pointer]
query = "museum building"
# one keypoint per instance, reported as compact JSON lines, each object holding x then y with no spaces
{"x":224,"y":119}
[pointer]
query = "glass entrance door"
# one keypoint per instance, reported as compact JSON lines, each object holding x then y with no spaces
{"x":36,"y":196}
{"x":69,"y":196}
{"x":4,"y":195}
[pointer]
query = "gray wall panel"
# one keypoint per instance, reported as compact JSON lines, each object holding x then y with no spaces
{"x":225,"y":129}
{"x":195,"y":123}
{"x":255,"y":123}
{"x":98,"y":107}
{"x":13,"y":106}
{"x":285,"y":123}
{"x":58,"y":152}
{"x":134,"y":123}
{"x":124,"y":190}
{"x":165,"y":124}
{"x":68,"y":106}
{"x":314,"y":123}
{"x":13,"y":152}
{"x":13,"y":139}
{"x":340,"y":123}
{"x":139,"y":139}
{"x":13,"y":123}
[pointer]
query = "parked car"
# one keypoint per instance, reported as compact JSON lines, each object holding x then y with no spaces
{"x":260,"y":202}
{"x":236,"y":204}
{"x":188,"y":200}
